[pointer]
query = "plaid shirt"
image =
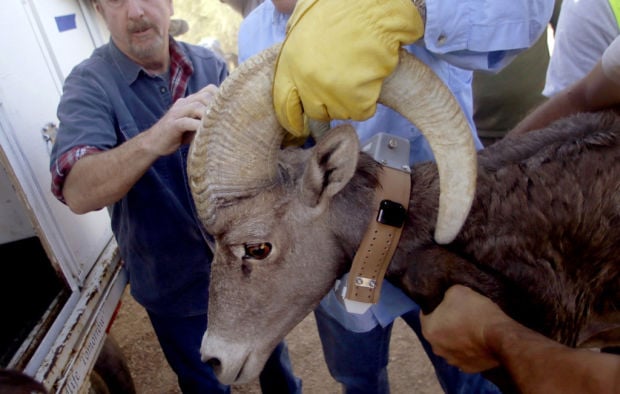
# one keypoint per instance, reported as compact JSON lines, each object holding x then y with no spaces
{"x":181,"y":70}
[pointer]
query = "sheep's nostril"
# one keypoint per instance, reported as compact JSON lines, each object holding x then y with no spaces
{"x":215,"y":363}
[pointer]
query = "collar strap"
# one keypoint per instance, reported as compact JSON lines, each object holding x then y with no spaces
{"x":380,"y":240}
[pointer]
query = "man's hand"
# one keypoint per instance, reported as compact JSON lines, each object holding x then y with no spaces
{"x":103,"y":178}
{"x":456,"y":328}
{"x":336,"y":55}
{"x":179,"y":125}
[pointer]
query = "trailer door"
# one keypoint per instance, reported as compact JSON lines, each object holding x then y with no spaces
{"x":43,"y":40}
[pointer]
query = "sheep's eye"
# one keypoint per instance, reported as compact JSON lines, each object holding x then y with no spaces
{"x":257,"y":251}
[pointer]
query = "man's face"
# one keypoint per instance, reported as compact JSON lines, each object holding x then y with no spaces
{"x":138,"y":27}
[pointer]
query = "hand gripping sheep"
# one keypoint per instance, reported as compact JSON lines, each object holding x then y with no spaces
{"x":531,"y":222}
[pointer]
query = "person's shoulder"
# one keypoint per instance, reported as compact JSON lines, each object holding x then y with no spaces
{"x":95,"y":64}
{"x":209,"y":66}
{"x":200,"y":53}
{"x":260,"y":15}
{"x":262,"y":28}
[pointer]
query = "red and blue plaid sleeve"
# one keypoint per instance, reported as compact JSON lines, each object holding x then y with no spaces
{"x":62,"y":166}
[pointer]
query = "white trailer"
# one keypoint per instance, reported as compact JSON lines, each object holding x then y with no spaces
{"x":62,"y":278}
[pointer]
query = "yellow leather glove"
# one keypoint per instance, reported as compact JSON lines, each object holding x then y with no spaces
{"x":336,"y":55}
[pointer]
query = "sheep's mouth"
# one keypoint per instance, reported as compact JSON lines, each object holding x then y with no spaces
{"x":239,"y":379}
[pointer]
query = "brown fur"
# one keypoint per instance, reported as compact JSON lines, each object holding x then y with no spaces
{"x":543,"y":236}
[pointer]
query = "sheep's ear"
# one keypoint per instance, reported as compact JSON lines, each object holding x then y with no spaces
{"x":331,"y":165}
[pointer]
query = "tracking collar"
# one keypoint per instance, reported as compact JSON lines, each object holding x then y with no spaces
{"x":379,"y":243}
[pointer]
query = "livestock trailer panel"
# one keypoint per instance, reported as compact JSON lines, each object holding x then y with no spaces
{"x":61,"y":276}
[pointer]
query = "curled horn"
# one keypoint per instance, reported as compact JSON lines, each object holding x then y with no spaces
{"x":414,"y":91}
{"x":234,"y":153}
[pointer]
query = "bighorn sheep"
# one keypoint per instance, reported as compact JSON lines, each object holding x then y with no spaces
{"x":542,"y":237}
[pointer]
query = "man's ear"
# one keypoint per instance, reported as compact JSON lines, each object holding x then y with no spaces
{"x":331,"y":165}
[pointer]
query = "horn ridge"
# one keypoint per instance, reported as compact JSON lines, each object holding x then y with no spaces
{"x":234,"y":152}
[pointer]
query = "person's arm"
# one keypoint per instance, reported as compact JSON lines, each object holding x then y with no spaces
{"x":473,"y":333}
{"x":102,"y":178}
{"x":593,"y":92}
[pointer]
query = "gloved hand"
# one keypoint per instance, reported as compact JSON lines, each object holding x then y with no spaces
{"x":336,"y":55}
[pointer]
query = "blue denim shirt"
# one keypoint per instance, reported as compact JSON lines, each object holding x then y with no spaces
{"x":459,"y":36}
{"x":108,"y":99}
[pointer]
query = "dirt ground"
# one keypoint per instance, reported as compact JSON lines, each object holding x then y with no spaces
{"x":409,"y":369}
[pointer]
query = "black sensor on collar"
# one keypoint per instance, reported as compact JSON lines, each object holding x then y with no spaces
{"x":391,"y":213}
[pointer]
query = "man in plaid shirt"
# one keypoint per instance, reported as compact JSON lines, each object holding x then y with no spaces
{"x":126,"y":116}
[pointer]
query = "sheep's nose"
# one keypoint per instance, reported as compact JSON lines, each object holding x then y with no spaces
{"x":215,"y":363}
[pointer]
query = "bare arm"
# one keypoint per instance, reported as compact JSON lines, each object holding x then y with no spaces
{"x":473,"y":333}
{"x":101,"y":179}
{"x":592,"y":93}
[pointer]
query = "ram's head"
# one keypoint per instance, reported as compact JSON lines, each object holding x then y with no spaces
{"x":259,"y":201}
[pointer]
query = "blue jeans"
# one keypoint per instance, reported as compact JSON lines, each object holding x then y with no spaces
{"x":180,"y":338}
{"x":359,"y":360}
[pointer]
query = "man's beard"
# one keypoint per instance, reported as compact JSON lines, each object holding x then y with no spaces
{"x":144,"y":50}
{"x":147,"y":51}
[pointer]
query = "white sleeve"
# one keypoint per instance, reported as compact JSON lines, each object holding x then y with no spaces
{"x":611,"y":61}
{"x":585,"y":29}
